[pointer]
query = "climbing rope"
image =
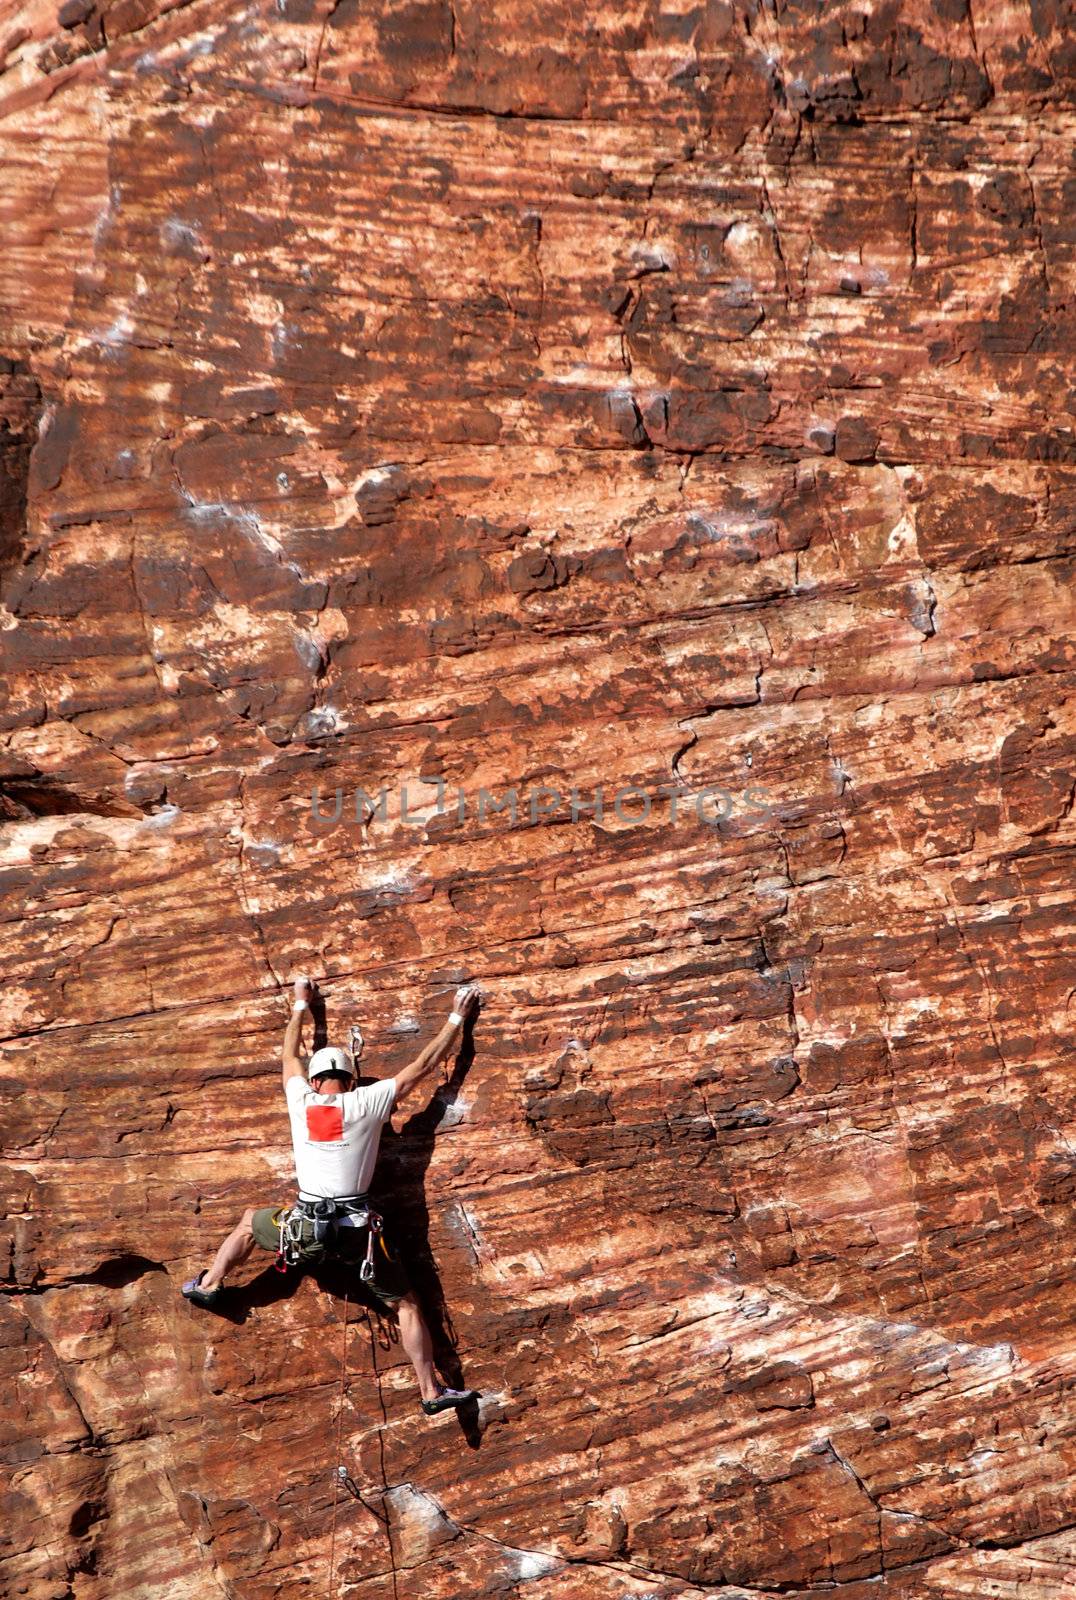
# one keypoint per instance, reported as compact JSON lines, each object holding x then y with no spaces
{"x":341,"y":1470}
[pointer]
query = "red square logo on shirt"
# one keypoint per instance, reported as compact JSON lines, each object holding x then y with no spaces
{"x":324,"y":1123}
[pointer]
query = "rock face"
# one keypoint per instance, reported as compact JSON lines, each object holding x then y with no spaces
{"x":470,"y":398}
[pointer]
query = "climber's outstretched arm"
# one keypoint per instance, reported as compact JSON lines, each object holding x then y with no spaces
{"x":441,"y":1045}
{"x":289,"y":1057}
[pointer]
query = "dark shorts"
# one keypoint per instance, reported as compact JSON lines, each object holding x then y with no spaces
{"x":390,"y":1281}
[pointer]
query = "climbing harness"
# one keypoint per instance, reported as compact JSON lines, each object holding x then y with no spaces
{"x":310,"y":1230}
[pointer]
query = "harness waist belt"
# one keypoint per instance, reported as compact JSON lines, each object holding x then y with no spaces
{"x":338,"y":1211}
{"x":337,"y":1199}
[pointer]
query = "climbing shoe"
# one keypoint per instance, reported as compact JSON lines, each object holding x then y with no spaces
{"x":447,"y":1398}
{"x":194,"y":1292}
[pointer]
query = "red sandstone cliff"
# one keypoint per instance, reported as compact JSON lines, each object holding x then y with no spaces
{"x":534,"y":396}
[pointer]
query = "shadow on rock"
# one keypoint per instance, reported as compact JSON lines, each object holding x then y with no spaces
{"x":268,"y":1287}
{"x":237,"y":1301}
{"x":318,"y":1017}
{"x":399,"y":1190}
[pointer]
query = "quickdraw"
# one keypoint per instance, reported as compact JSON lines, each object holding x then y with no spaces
{"x":366,"y":1271}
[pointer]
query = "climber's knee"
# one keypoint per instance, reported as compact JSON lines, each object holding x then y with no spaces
{"x":408,"y":1310}
{"x":246,"y":1223}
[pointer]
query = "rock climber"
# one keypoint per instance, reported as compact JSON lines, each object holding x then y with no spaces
{"x":336,"y":1129}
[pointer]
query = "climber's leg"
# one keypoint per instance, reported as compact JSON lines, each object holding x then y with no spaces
{"x":232,"y":1253}
{"x":235,"y":1250}
{"x":415,"y":1338}
{"x":392,"y":1290}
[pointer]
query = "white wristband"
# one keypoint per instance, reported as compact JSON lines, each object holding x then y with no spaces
{"x":455,"y":1019}
{"x":300,"y":1005}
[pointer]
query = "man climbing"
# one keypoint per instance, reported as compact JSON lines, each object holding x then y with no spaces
{"x":335,"y":1130}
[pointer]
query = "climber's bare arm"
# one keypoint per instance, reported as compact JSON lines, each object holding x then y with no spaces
{"x":290,"y":1064}
{"x":427,"y":1059}
{"x":440,"y":1046}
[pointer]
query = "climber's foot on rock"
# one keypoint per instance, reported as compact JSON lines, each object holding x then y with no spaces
{"x":207,"y":1298}
{"x":447,"y":1398}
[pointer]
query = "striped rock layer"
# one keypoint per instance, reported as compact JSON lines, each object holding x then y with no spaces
{"x":657,"y":418}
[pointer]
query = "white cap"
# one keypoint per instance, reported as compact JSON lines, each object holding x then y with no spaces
{"x":330,"y":1059}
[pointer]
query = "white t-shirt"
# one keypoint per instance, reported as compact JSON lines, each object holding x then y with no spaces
{"x":335,"y":1136}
